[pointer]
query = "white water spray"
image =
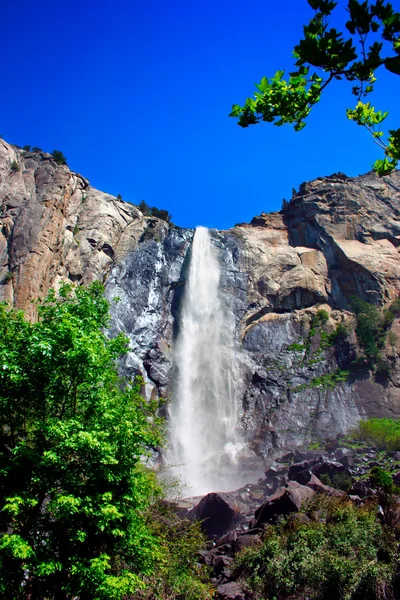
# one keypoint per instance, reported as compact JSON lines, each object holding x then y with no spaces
{"x":203,"y":413}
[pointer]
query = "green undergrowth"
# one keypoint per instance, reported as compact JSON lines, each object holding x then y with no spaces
{"x":326,"y":381}
{"x":384,"y":433}
{"x":332,"y":550}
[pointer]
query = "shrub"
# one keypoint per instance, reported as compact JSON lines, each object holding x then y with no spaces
{"x":322,"y":316}
{"x":297,"y":347}
{"x":164,"y":215}
{"x":26,"y":148}
{"x":14,"y":166}
{"x":383,"y":368}
{"x":340,"y":481}
{"x":8,"y":277}
{"x":370,"y":328}
{"x":381,"y":432}
{"x":36,"y":149}
{"x":59,"y":157}
{"x":145,"y":208}
{"x":338,"y":335}
{"x":341,"y":553}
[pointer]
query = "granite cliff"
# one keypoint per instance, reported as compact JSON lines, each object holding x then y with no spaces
{"x":338,"y":237}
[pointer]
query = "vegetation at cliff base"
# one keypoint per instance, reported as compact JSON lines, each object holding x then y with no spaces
{"x":332,"y":550}
{"x":384,"y":433}
{"x":80,"y":512}
{"x":370,"y":39}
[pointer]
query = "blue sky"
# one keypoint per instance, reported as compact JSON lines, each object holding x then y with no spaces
{"x":137,"y":96}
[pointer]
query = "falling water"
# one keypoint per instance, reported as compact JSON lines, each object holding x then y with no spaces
{"x":204,"y":409}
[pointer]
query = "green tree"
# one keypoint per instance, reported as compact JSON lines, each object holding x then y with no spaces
{"x":74,"y":493}
{"x":145,"y":208}
{"x":370,"y":40}
{"x":59,"y":157}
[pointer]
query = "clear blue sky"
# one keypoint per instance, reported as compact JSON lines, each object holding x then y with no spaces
{"x":136,"y":95}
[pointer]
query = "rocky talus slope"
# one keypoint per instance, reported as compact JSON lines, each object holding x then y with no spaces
{"x":235,"y":521}
{"x":338,"y":237}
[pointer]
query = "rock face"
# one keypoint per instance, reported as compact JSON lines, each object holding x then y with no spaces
{"x":336,"y":238}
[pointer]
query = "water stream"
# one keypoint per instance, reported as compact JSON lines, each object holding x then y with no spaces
{"x":203,"y":413}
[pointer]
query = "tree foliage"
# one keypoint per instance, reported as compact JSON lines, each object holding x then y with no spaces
{"x":73,"y":489}
{"x":59,"y":157}
{"x":153,"y":211}
{"x":370,"y":40}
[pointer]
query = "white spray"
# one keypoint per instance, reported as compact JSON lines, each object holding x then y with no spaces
{"x":203,"y":413}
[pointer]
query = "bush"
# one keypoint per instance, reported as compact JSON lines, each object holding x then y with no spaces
{"x":14,"y":166}
{"x":164,"y":215}
{"x":338,"y":335}
{"x":145,"y":208}
{"x":36,"y":149}
{"x":59,"y":157}
{"x":383,"y":433}
{"x":322,"y":316}
{"x":370,"y":328}
{"x":342,"y":553}
{"x":26,"y":148}
{"x":8,"y":277}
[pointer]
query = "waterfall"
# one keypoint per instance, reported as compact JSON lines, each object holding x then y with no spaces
{"x":203,"y":411}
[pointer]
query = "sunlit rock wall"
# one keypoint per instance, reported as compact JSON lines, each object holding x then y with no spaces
{"x":337,"y":237}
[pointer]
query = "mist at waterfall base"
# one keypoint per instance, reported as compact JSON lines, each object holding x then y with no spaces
{"x":204,"y":444}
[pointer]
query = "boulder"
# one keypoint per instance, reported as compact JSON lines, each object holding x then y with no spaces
{"x":317,"y":485}
{"x":217,"y":516}
{"x":332,"y":446}
{"x":222,"y":566}
{"x":302,"y":477}
{"x":359,"y":489}
{"x":286,"y":500}
{"x":275,"y":470}
{"x":328,"y":467}
{"x":306,"y":455}
{"x":347,"y":461}
{"x":300,"y":467}
{"x":289,"y":457}
{"x":231,"y":591}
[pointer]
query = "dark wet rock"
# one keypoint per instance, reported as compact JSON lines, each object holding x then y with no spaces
{"x":300,"y":467}
{"x":340,"y":453}
{"x":330,"y":468}
{"x":223,"y":566}
{"x":216,"y":515}
{"x":283,"y":502}
{"x":288,"y":457}
{"x":276,"y":470}
{"x":360,"y":489}
{"x":231,"y":591}
{"x":347,"y":461}
{"x":315,"y":484}
{"x":308,"y":455}
{"x":302,"y":477}
{"x":330,"y":447}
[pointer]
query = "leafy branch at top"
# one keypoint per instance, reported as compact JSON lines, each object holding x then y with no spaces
{"x":325,"y":55}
